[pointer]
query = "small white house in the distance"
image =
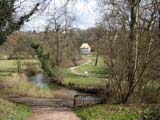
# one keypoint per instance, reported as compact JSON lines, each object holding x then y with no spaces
{"x":85,"y":49}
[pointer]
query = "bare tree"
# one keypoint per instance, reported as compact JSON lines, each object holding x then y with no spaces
{"x":132,"y":39}
{"x":99,"y":33}
{"x":59,"y":24}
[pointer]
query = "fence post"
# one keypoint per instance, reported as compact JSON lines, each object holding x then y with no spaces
{"x":74,"y":101}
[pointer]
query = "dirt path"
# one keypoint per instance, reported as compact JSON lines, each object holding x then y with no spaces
{"x":48,"y":113}
{"x":73,"y":69}
{"x":48,"y":109}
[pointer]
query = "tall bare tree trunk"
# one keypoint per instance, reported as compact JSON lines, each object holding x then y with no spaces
{"x":134,"y":6}
{"x":96,"y":62}
{"x":97,"y":53}
{"x":57,"y":48}
{"x":18,"y":60}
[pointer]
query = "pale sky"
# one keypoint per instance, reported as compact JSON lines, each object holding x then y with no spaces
{"x":84,"y":10}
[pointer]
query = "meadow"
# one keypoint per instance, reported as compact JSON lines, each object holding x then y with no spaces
{"x":8,"y":67}
{"x":96,"y":74}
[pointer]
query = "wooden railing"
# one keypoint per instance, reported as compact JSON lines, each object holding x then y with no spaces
{"x":85,"y":100}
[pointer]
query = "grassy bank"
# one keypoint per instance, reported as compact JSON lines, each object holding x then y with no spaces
{"x":8,"y":67}
{"x":12,"y":83}
{"x":98,"y":71}
{"x":11,"y":111}
{"x":81,"y":81}
{"x":19,"y":85}
{"x":95,"y":76}
{"x":109,"y":112}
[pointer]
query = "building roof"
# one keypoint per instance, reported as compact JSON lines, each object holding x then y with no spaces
{"x":85,"y":45}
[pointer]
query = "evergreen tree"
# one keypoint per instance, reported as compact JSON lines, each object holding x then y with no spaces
{"x":8,"y":23}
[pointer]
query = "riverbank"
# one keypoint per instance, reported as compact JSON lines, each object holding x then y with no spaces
{"x":19,"y":85}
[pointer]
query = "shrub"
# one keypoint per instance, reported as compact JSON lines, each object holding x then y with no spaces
{"x":151,"y":95}
{"x":151,"y":113}
{"x":44,"y":60}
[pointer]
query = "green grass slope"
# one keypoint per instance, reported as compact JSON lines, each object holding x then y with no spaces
{"x":8,"y":67}
{"x":93,"y":80}
{"x":11,"y":111}
{"x":109,"y":112}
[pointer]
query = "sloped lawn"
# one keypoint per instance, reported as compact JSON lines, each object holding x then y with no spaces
{"x":94,"y":71}
{"x":81,"y":81}
{"x":11,"y":111}
{"x":95,"y":78}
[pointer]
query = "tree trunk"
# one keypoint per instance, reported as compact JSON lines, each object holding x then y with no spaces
{"x":97,"y":54}
{"x":131,"y":63}
{"x":57,"y":49}
{"x":18,"y":63}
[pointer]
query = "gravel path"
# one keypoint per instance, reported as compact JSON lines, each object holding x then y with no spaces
{"x":53,"y":113}
{"x":48,"y":108}
{"x":73,"y":69}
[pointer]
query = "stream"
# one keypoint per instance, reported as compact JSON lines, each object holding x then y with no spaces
{"x":39,"y":80}
{"x":79,"y":98}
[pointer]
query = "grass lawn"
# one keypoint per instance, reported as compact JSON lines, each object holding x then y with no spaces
{"x":11,"y":111}
{"x":81,"y":81}
{"x":7,"y":67}
{"x":94,"y":71}
{"x":95,"y":77}
{"x":109,"y":112}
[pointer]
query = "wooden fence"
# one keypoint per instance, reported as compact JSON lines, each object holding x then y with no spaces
{"x":85,"y":100}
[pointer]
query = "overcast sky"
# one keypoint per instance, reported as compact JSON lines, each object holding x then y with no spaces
{"x":84,"y":10}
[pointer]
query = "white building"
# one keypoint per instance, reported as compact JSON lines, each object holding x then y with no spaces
{"x":85,"y":49}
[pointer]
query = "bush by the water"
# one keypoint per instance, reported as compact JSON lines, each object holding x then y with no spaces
{"x":44,"y":59}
